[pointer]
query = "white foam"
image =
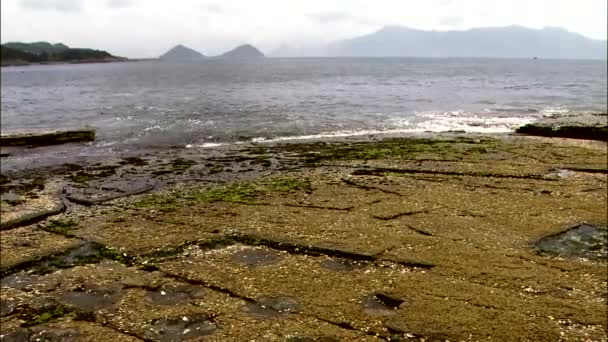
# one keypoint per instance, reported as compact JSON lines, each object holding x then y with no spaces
{"x":426,"y":122}
{"x":206,"y":145}
{"x":458,"y":121}
{"x":551,"y":112}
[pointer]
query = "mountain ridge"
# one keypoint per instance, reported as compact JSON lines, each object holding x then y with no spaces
{"x":512,"y":41}
{"x":503,"y":42}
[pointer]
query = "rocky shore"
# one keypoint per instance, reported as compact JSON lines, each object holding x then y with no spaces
{"x":446,"y":238}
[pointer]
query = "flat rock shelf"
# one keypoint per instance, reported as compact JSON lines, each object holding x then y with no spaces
{"x":456,"y":238}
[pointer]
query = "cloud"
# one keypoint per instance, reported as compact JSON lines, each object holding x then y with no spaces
{"x":451,"y":21}
{"x":119,"y":3}
{"x":53,"y":5}
{"x":213,"y":8}
{"x":330,"y":17}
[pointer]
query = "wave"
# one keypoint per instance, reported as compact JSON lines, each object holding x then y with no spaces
{"x":429,"y":122}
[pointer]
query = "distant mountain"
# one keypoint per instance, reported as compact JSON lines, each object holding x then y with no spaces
{"x":504,"y":42}
{"x":182,"y":53}
{"x":43,"y":52}
{"x":245,"y":51}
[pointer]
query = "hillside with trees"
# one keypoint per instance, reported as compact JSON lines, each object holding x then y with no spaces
{"x":17,"y":53}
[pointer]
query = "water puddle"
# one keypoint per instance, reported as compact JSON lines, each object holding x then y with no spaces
{"x":174,"y":295}
{"x":269,"y":307}
{"x":342,"y":265}
{"x":378,"y":304}
{"x":86,"y":253}
{"x":180,"y":329}
{"x":581,"y":241}
{"x":92,"y":299}
{"x":256,"y":257}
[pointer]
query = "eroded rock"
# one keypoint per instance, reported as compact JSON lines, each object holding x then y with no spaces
{"x":580,"y":241}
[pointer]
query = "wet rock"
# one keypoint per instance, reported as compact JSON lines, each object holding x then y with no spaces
{"x":7,"y":307}
{"x":31,"y":216}
{"x":16,"y":335}
{"x":20,"y":281}
{"x":45,"y":138}
{"x":256,"y":257}
{"x":593,"y":132}
{"x":41,"y":333}
{"x":342,"y":265}
{"x":580,"y":241}
{"x":92,"y":299}
{"x":174,"y":295}
{"x":379,"y":304}
{"x":269,"y":307}
{"x":180,"y":328}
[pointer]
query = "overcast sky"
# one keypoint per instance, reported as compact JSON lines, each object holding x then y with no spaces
{"x":146,"y":28}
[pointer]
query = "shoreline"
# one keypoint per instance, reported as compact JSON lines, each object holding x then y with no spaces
{"x":89,"y":61}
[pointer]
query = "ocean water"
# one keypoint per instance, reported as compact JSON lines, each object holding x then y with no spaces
{"x":139,"y":105}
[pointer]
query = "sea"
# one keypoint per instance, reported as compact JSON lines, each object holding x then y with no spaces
{"x":151,"y":104}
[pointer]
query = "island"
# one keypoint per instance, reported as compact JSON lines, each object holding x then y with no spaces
{"x":182,"y":53}
{"x":241,"y":52}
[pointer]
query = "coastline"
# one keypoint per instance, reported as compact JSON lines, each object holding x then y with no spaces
{"x":87,"y":61}
{"x":433,"y":236}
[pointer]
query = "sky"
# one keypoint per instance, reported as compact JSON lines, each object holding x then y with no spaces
{"x":147,"y":28}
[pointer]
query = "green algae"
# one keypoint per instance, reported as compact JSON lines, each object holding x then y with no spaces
{"x":62,"y":227}
{"x":239,"y":192}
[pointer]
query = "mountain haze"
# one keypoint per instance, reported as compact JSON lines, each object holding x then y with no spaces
{"x":498,"y":42}
{"x":182,"y":53}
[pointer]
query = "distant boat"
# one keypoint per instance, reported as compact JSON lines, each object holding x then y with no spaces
{"x":535,"y":57}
